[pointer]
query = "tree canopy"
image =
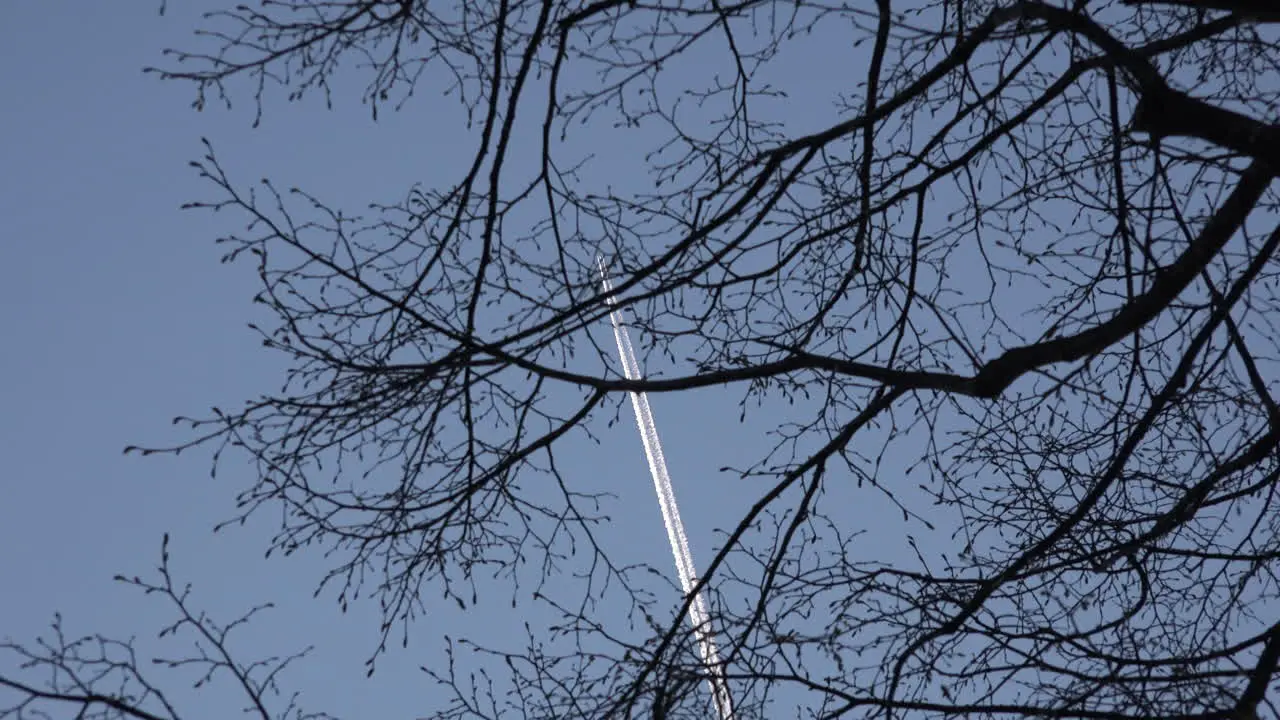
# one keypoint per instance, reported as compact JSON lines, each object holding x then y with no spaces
{"x":1008,"y":265}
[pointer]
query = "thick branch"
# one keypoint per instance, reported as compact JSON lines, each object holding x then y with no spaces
{"x":1261,"y":10}
{"x":1163,"y":111}
{"x":1256,"y":691}
{"x":86,"y":700}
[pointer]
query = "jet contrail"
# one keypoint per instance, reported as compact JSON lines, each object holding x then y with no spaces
{"x":698,"y":615}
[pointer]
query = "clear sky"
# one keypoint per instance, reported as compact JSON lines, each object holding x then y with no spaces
{"x":117,"y":316}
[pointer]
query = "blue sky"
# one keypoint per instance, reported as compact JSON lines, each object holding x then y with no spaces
{"x":117,"y":316}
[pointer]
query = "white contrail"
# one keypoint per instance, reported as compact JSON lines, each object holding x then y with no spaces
{"x":698,"y":615}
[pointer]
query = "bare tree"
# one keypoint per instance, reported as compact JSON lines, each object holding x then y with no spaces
{"x":94,"y":677}
{"x":1008,"y":265}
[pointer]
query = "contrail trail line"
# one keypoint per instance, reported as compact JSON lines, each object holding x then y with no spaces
{"x":698,"y":615}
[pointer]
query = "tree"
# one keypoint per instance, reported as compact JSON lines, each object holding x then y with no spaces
{"x":1012,"y":269}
